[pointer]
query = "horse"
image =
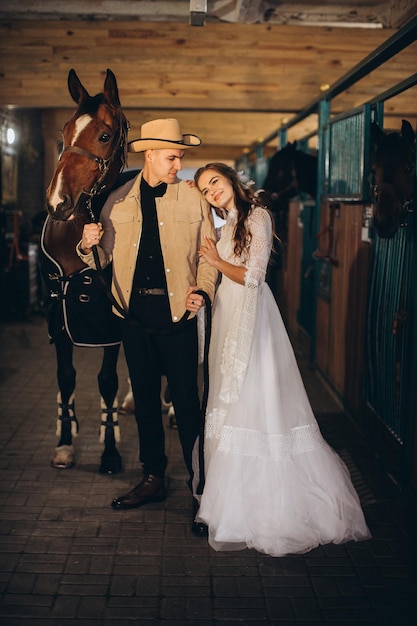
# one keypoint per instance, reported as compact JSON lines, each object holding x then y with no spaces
{"x":290,"y":172}
{"x":77,"y":308}
{"x":393,"y":162}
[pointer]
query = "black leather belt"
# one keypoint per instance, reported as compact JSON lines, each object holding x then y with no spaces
{"x":144,"y":291}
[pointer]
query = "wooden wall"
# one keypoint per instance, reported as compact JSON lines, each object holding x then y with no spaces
{"x":231,"y":84}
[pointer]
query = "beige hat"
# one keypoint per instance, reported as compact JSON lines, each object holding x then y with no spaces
{"x":162,"y":134}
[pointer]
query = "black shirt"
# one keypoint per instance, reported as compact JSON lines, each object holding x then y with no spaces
{"x":153,"y":311}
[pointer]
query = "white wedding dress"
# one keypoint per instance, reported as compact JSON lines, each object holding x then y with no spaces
{"x":272,"y":482}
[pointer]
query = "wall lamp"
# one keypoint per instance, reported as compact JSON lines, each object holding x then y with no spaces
{"x":10,"y":136}
{"x":198,"y":11}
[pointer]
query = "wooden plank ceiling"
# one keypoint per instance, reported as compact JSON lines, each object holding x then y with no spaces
{"x":232,"y":81}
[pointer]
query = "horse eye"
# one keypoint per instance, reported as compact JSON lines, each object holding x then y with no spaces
{"x":408,"y":170}
{"x":105,"y":138}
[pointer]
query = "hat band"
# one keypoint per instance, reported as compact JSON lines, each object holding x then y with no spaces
{"x":178,"y":141}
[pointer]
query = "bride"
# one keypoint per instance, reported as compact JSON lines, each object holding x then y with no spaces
{"x":271,"y":481}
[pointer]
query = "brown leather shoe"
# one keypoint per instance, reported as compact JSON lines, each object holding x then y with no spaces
{"x":150,"y":489}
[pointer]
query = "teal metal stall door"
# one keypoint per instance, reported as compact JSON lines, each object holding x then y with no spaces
{"x":391,"y":329}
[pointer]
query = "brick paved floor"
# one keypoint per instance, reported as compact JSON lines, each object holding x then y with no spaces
{"x":68,"y":559}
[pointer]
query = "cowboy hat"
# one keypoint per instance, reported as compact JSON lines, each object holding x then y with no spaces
{"x":162,"y":134}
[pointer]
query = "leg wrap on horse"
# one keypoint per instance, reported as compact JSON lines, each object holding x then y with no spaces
{"x":66,"y":428}
{"x":66,"y":412}
{"x":109,"y":419}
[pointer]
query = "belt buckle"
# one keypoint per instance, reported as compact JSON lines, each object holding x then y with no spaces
{"x":145,"y":291}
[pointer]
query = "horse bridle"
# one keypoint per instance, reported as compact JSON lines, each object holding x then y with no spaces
{"x":407,"y":206}
{"x":292,"y":185}
{"x":103,"y":164}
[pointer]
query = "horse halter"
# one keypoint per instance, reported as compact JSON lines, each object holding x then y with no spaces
{"x":407,"y":205}
{"x":104,"y":164}
{"x":292,"y":185}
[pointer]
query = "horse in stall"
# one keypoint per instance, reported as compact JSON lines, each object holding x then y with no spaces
{"x":290,"y":173}
{"x":77,"y":308}
{"x":394,"y":165}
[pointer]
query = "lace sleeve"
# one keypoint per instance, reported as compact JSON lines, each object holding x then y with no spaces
{"x":238,"y":343}
{"x":260,"y":226}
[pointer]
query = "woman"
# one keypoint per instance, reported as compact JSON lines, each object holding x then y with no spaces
{"x":272,"y":482}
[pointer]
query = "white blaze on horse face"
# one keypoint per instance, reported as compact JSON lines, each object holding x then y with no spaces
{"x":80,"y":125}
{"x":55,"y":198}
{"x":56,"y":194}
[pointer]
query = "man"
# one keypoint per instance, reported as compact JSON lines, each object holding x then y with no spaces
{"x":151,"y":228}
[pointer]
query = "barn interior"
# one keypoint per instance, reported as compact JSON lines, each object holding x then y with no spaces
{"x":245,"y":76}
{"x":240,"y":73}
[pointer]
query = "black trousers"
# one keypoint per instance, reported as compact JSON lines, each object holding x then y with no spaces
{"x":148,"y":355}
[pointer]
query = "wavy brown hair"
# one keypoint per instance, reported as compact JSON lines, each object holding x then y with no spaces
{"x":246,"y":200}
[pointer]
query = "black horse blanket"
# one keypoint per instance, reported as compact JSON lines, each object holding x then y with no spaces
{"x":78,"y":305}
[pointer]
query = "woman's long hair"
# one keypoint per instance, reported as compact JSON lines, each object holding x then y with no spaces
{"x":246,"y":199}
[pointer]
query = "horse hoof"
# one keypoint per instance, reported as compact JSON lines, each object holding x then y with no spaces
{"x":111,"y":465}
{"x":64,"y":457}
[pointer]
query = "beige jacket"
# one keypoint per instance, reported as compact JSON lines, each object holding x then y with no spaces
{"x":184,"y":218}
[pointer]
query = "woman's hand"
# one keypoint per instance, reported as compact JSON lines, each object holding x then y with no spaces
{"x":209,"y":252}
{"x":91,"y":236}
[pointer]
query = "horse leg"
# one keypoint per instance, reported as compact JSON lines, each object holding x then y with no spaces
{"x":67,"y":423}
{"x":111,"y":461}
{"x":167,"y":405}
{"x":128,"y":404}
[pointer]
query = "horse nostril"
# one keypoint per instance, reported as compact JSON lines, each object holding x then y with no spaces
{"x":66,"y":202}
{"x":64,"y":205}
{"x":59,"y":209}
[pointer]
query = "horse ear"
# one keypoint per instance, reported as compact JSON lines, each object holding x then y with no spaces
{"x":377,"y":134}
{"x":110,"y":89}
{"x":77,"y":91}
{"x":407,"y":132}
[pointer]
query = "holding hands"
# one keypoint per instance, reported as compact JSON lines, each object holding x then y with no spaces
{"x":209,"y":252}
{"x":194,"y":300}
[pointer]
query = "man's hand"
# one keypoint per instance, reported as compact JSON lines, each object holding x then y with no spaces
{"x":194,"y":300}
{"x":91,"y":236}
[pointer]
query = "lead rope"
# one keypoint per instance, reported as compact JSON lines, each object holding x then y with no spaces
{"x":207,"y":336}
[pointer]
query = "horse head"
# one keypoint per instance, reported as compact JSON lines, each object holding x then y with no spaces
{"x":281,"y":177}
{"x":290,"y":172}
{"x":94,"y":149}
{"x":393,"y":162}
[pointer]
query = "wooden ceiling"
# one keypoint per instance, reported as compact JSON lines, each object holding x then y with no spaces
{"x":232,"y":81}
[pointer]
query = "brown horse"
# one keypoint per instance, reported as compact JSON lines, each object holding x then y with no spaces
{"x":77,"y":308}
{"x":394,"y":165}
{"x":291,"y":172}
